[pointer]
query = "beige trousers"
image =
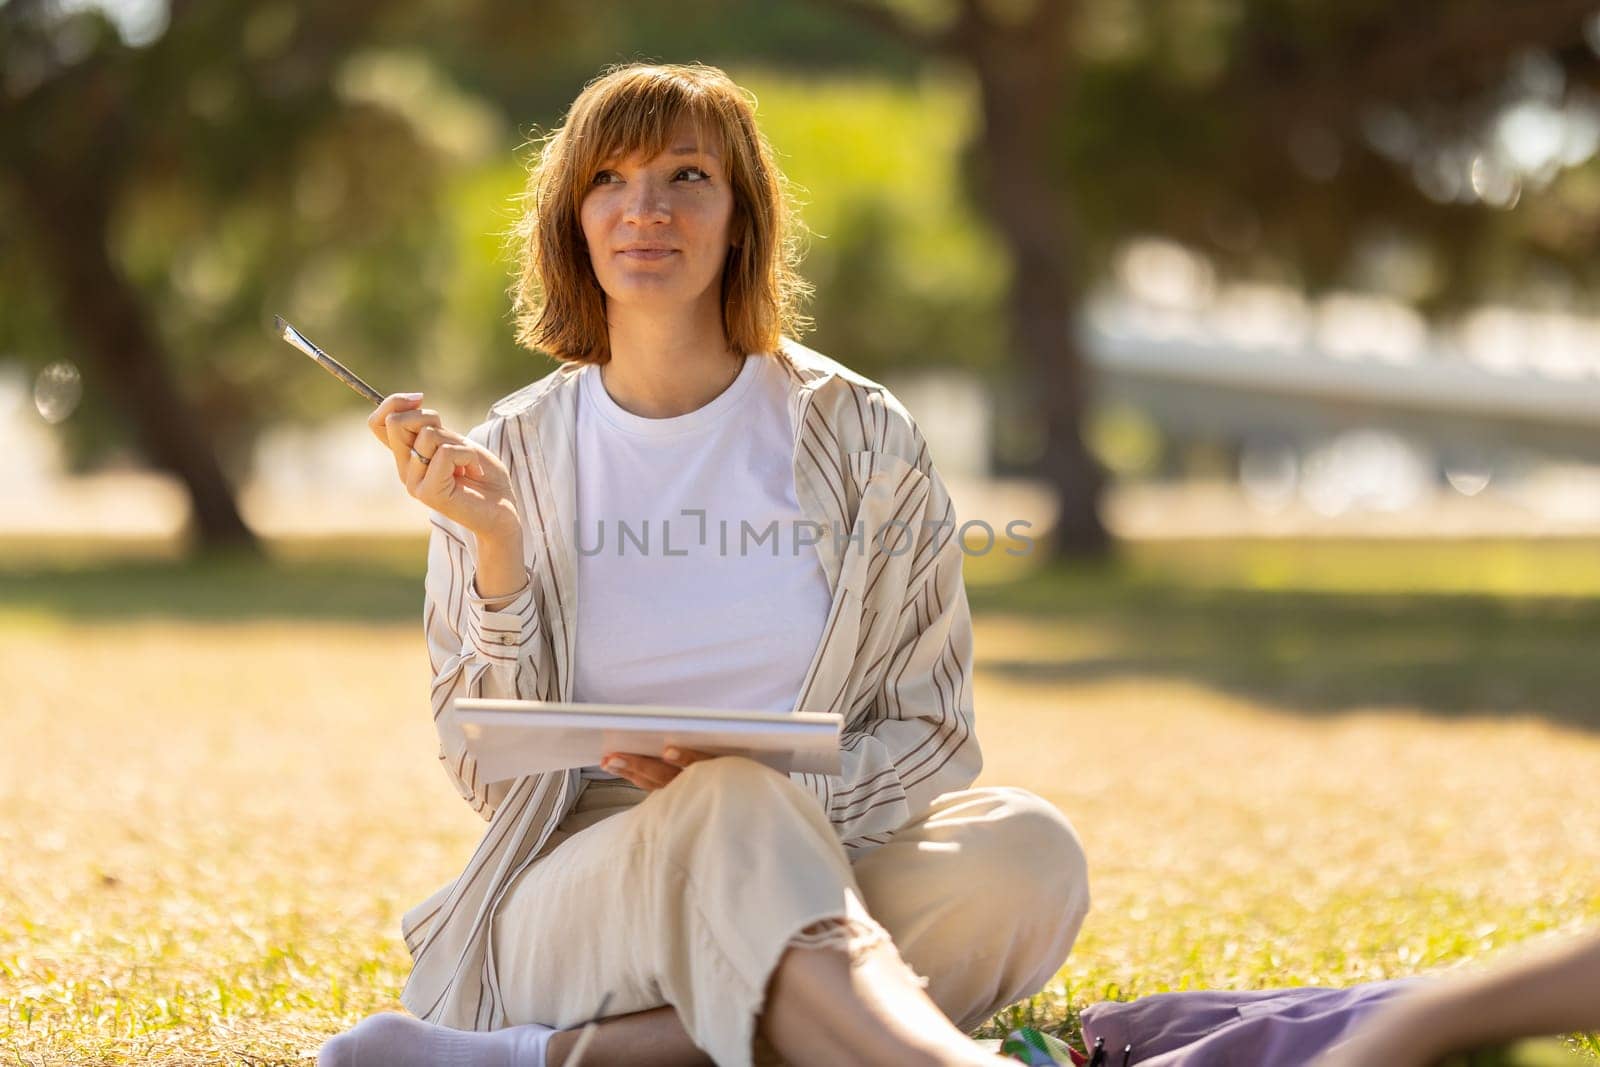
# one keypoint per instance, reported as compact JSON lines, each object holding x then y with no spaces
{"x":689,"y":894}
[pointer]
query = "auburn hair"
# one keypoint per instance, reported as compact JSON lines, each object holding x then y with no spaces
{"x":558,"y":306}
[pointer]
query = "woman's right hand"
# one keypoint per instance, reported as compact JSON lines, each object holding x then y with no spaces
{"x":461,"y":479}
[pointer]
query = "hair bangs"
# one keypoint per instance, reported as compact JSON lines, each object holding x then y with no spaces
{"x":638,"y":117}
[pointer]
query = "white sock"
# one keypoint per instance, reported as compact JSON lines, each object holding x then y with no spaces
{"x":391,"y":1039}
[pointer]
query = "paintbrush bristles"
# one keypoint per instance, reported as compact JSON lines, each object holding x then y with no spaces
{"x":298,"y":339}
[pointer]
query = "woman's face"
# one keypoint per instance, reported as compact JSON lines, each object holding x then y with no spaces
{"x":657,"y":229}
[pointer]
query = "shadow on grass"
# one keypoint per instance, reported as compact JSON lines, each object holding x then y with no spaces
{"x":365,"y":580}
{"x":1453,"y":655}
{"x":1449,"y":654}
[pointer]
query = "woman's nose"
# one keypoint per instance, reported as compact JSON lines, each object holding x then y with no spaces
{"x":646,"y":201}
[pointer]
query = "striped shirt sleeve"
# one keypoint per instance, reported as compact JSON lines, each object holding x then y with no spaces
{"x":918,"y":739}
{"x":477,"y":647}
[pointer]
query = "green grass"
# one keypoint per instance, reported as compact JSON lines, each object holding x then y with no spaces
{"x":1308,"y":764}
{"x":335,"y":580}
{"x":1304,"y":645}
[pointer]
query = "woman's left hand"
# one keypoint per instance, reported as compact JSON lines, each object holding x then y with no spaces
{"x":650,"y":773}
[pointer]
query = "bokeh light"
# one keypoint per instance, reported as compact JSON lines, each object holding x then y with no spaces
{"x":57,"y":390}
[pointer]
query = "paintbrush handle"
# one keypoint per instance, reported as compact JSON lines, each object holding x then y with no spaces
{"x":347,"y":376}
{"x":294,"y":338}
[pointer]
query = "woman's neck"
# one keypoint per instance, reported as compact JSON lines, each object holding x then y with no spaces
{"x":664,"y":366}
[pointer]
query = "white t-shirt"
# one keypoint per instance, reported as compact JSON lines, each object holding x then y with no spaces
{"x":678,"y":608}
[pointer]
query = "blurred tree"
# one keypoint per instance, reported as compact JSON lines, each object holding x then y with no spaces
{"x":347,"y":164}
{"x":164,"y":190}
{"x":178,"y":140}
{"x":1342,"y":144}
{"x":1286,"y":138}
{"x":907,"y":274}
{"x":1022,"y":57}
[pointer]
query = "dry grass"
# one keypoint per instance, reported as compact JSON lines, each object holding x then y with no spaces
{"x":1233,"y":846}
{"x":211,"y":827}
{"x":209,"y":836}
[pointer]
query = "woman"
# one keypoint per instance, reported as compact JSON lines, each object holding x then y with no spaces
{"x":729,"y":910}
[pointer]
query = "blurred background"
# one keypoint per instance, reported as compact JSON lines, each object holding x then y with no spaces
{"x":1278,"y":319}
{"x":1155,"y":269}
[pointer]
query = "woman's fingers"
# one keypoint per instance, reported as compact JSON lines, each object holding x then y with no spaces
{"x":402,"y":427}
{"x":656,"y":773}
{"x":447,"y":471}
{"x":452,"y":474}
{"x":648,"y":772}
{"x":391,"y":404}
{"x":432,"y":435}
{"x":387,"y":406}
{"x":410,"y":431}
{"x":401,"y":430}
{"x":679,"y":756}
{"x":645,"y":772}
{"x":423,"y":442}
{"x":637,"y":777}
{"x":435,"y":479}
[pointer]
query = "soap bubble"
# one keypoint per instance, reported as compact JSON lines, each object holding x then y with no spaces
{"x":57,"y":390}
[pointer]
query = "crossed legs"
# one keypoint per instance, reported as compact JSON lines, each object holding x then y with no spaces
{"x":983,"y":893}
{"x":819,"y":1010}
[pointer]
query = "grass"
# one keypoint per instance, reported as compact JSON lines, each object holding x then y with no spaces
{"x":1289,"y":764}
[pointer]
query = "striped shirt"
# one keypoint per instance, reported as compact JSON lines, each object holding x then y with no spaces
{"x":895,"y":657}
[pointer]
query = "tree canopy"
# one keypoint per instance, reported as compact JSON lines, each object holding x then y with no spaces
{"x":969,"y":171}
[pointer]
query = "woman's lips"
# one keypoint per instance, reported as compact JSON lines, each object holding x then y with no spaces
{"x":648,"y":253}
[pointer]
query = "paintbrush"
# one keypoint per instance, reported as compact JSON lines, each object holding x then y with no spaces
{"x":323,"y":360}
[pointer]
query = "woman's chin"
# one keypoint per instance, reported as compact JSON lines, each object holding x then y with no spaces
{"x":656,"y":294}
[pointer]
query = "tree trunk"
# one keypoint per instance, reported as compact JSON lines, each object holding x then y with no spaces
{"x":1022,"y":74}
{"x":125,"y":356}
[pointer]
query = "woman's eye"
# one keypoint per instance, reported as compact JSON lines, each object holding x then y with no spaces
{"x":602,"y":176}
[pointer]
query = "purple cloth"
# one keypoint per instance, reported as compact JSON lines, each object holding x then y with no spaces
{"x":1210,"y":1028}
